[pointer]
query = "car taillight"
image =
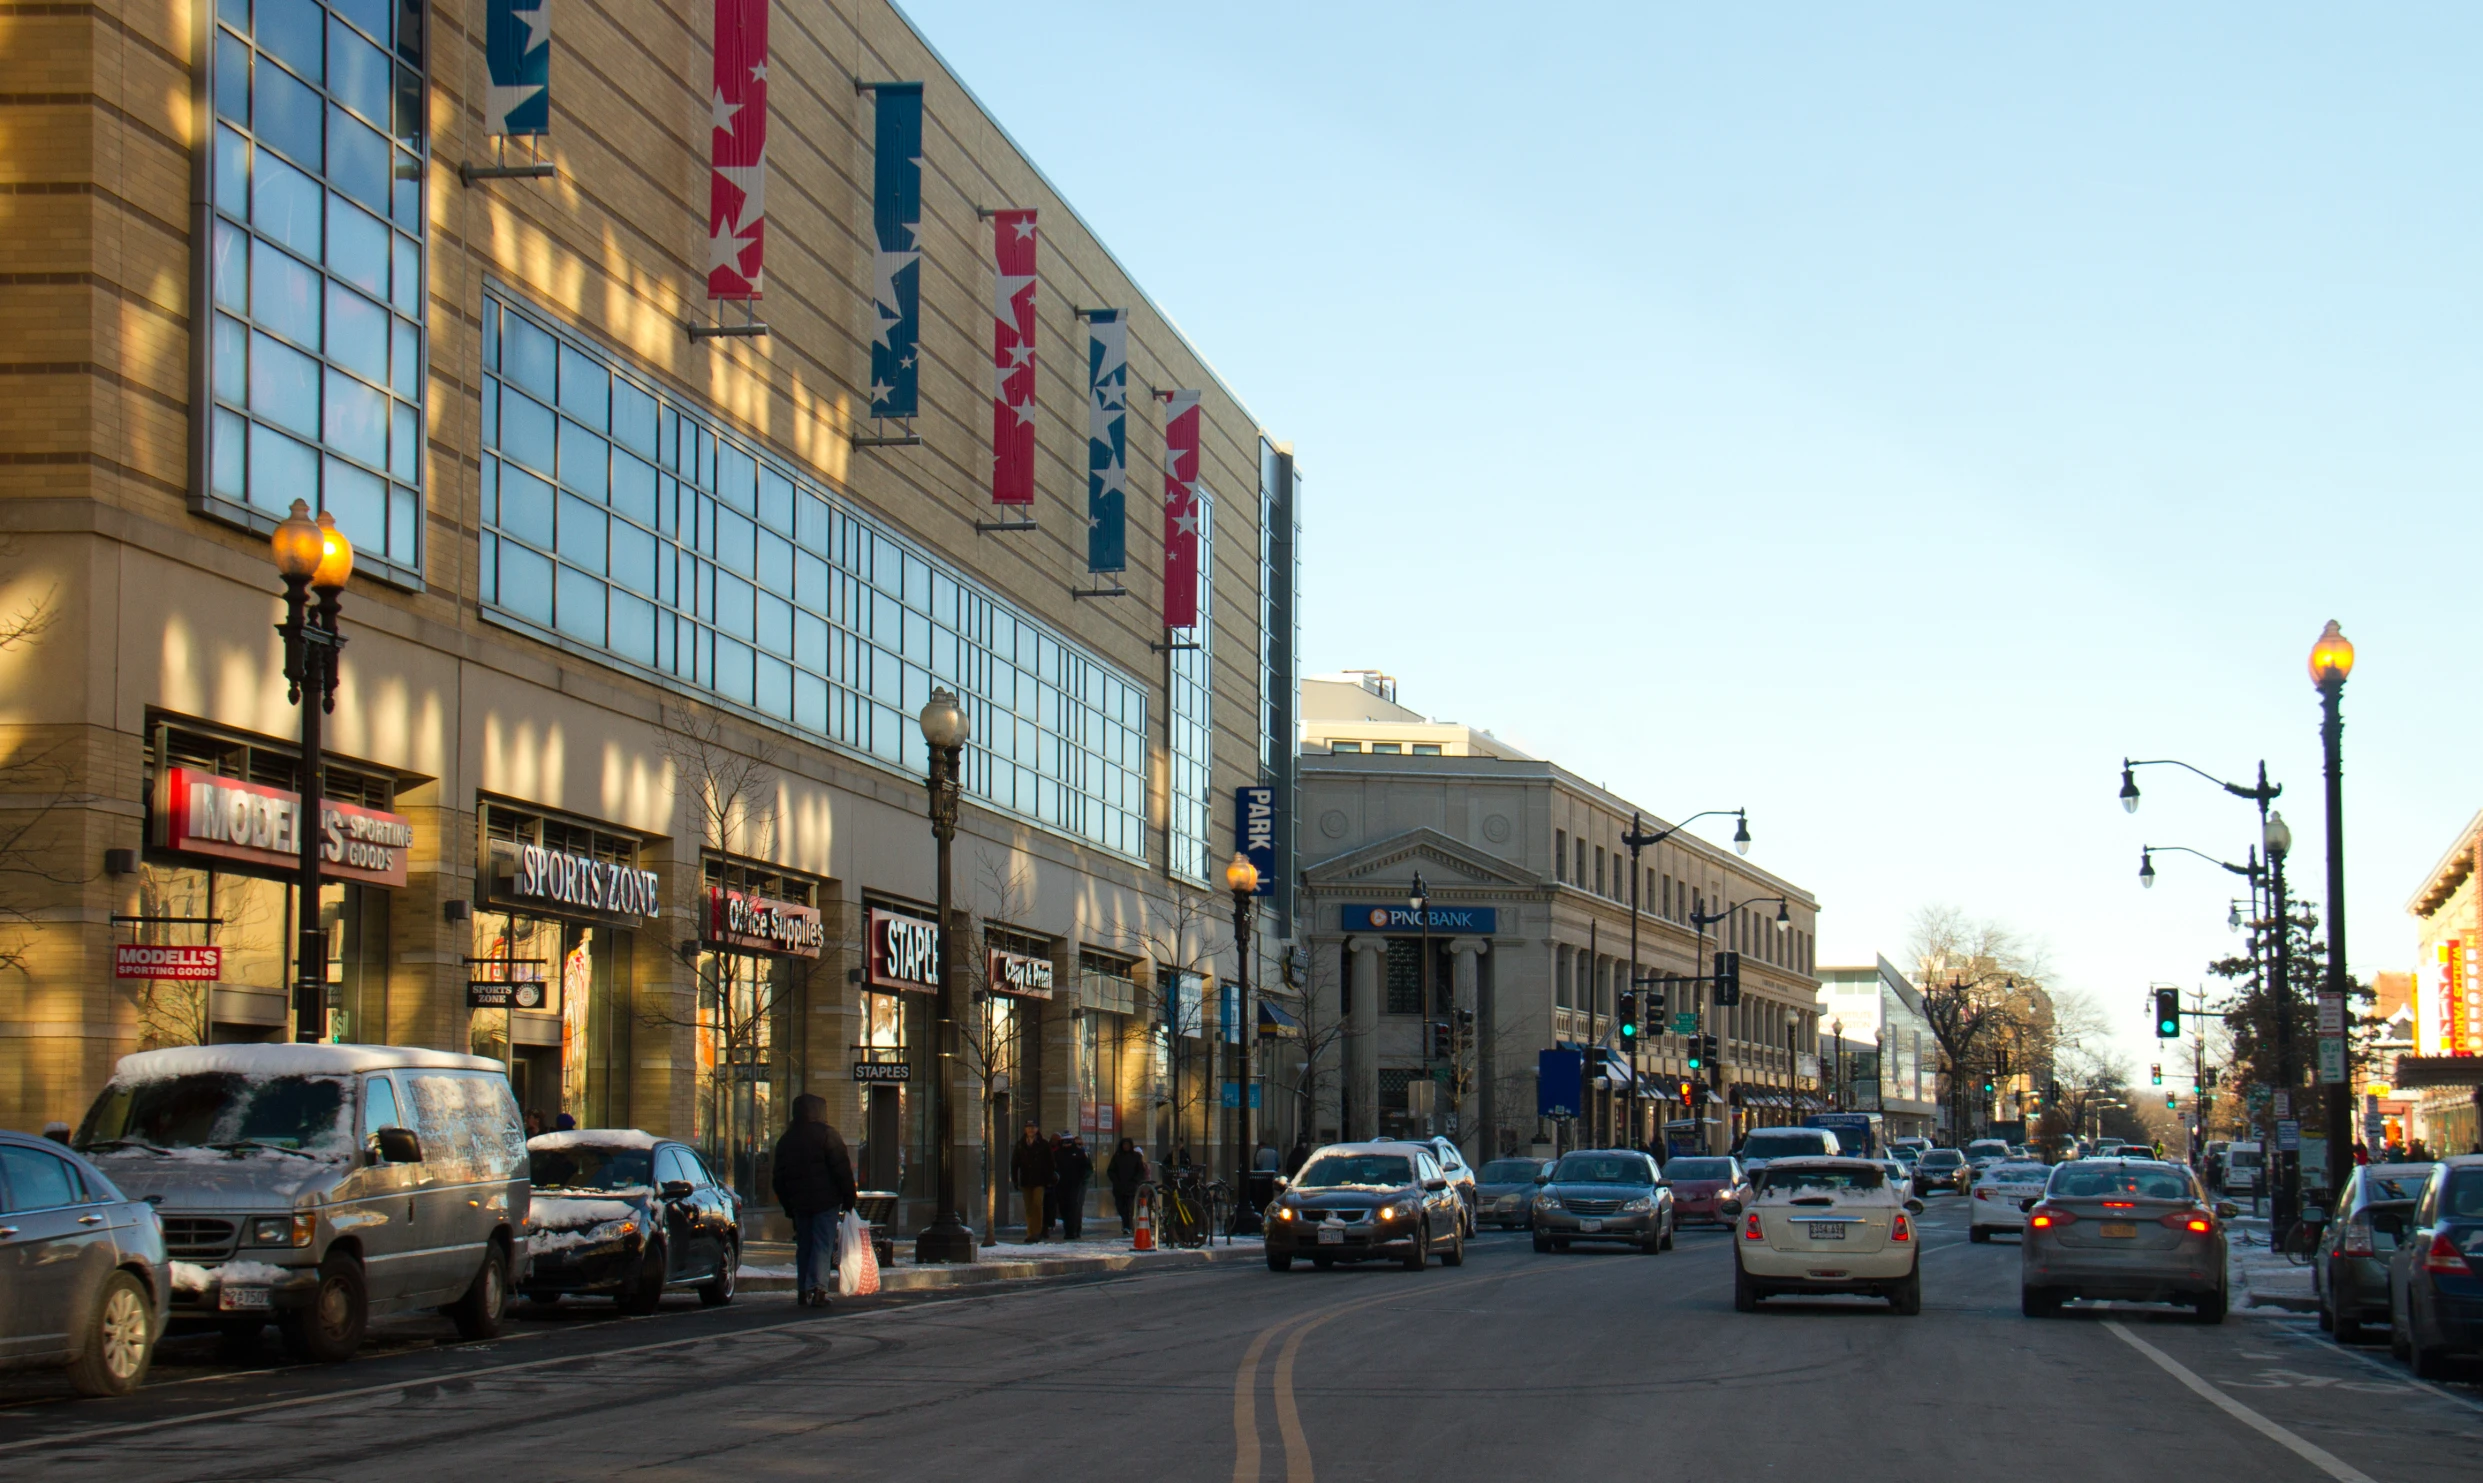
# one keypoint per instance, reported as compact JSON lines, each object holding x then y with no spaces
{"x":1750,"y":1228}
{"x":1903,"y":1230}
{"x":2120,"y":1204}
{"x":1982,"y":1194}
{"x":2045,"y":1217}
{"x":2186,"y":1220}
{"x":2357,"y":1238}
{"x":2444,"y":1257}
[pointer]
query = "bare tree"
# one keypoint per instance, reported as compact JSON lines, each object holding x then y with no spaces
{"x":1303,"y":990}
{"x":1182,"y":935}
{"x":1981,"y":984}
{"x":43,"y":777}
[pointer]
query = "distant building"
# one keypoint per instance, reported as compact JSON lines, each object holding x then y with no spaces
{"x":1892,"y":1062}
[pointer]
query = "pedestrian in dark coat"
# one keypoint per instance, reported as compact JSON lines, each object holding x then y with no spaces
{"x":1073,"y":1168}
{"x":814,"y":1182}
{"x":1030,"y":1169}
{"x":1296,"y":1159}
{"x":1126,"y":1170}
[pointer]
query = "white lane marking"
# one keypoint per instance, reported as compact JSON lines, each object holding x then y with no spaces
{"x":2400,"y":1375}
{"x":2317,"y":1456}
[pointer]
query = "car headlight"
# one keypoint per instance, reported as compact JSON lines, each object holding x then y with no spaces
{"x":280,"y":1230}
{"x":614,"y":1230}
{"x":1547,"y":1202}
{"x":1392,"y":1212}
{"x":1284,"y":1212}
{"x":1639,"y":1206}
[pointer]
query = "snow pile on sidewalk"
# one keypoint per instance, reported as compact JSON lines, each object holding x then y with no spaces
{"x":2264,"y":1280}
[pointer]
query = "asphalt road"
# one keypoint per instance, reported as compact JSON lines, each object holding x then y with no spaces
{"x":1517,"y":1365}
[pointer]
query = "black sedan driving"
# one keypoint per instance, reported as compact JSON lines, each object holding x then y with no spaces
{"x":1355,"y":1202}
{"x":626,"y":1215}
{"x":1609,"y":1194}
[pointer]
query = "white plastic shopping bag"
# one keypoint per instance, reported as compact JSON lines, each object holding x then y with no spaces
{"x":857,"y":1266}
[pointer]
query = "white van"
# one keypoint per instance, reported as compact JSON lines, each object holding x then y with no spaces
{"x":2244,"y":1168}
{"x":315,"y":1186}
{"x":1762,"y":1144}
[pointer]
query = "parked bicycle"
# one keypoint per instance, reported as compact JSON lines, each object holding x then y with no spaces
{"x":1191,"y":1208}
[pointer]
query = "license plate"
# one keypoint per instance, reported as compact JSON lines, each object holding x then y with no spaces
{"x":1590,"y":1225}
{"x":2120,"y":1230}
{"x":1331,"y":1235}
{"x":230,"y":1299}
{"x":1827,"y":1231}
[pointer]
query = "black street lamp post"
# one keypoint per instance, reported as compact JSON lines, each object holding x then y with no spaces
{"x":1420,"y":899}
{"x":1242,"y":879}
{"x":2332,"y":659}
{"x":948,"y":1238}
{"x":1641,"y":838}
{"x":315,"y":560}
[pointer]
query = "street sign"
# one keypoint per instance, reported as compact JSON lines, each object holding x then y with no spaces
{"x":1232,"y":1095}
{"x":1559,"y":1075}
{"x":2288,"y":1135}
{"x":2284,"y":1103}
{"x":883,"y":1072}
{"x":2331,"y":1060}
{"x":1686,"y":1022}
{"x":2331,"y":1014}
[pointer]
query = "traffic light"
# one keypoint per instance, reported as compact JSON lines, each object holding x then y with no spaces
{"x":2168,"y":1101}
{"x":2207,"y":1077}
{"x":1689,"y":1094}
{"x":1655,"y":992}
{"x":1728,"y":979}
{"x":2155,"y":1073}
{"x":1465,"y":1025}
{"x":1988,"y":1085}
{"x":2168,"y":1014}
{"x":1629,"y":1014}
{"x":1441,"y":1050}
{"x":1698,"y":1052}
{"x":1708,"y":1051}
{"x":1596,"y":1068}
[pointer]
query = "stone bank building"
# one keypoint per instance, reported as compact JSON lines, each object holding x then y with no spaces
{"x":641,"y":618}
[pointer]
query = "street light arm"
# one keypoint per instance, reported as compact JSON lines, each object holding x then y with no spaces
{"x":1637,"y":840}
{"x":1709,"y":919}
{"x":2260,"y":794}
{"x":2249,"y":871}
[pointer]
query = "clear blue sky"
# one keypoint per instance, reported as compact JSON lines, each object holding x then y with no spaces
{"x":1883,"y":417}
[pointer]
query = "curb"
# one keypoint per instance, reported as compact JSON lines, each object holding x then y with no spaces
{"x":980,"y":1274}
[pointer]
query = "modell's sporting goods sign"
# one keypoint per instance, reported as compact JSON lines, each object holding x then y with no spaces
{"x":200,"y":813}
{"x":763,"y":924}
{"x":189,"y":965}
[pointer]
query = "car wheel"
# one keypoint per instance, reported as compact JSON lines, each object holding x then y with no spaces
{"x":2399,"y":1348}
{"x":2327,"y":1321}
{"x":330,"y":1329}
{"x":1745,"y":1291}
{"x":1907,"y":1296}
{"x":1418,"y":1255}
{"x":486,"y":1301}
{"x":2429,"y":1363}
{"x":1323,"y":1263}
{"x":1979,"y":1235}
{"x":2039,"y":1302}
{"x":544,"y":1300}
{"x":1455,"y":1256}
{"x":120,"y":1340}
{"x":2211,"y":1307}
{"x":1279,"y":1261}
{"x":1668,"y":1235}
{"x":644,"y":1292}
{"x":1560,"y":1243}
{"x":718,"y":1290}
{"x":2348,"y":1330}
{"x":1542,"y":1242}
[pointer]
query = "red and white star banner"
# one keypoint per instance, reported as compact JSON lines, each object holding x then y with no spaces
{"x":1013,"y":358}
{"x":1180,"y":507}
{"x":737,"y":191}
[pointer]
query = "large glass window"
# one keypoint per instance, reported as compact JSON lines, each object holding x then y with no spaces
{"x":617,"y":516}
{"x":314,"y":273}
{"x":1193,"y":739}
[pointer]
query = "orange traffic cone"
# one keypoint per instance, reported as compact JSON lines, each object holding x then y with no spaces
{"x":1142,"y":1232}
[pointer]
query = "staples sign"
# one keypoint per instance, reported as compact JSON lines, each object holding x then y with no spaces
{"x":905,"y":952}
{"x":203,"y":814}
{"x":763,"y":924}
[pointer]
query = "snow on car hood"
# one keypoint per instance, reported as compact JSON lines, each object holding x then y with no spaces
{"x":578,"y":1213}
{"x":253,"y":1179}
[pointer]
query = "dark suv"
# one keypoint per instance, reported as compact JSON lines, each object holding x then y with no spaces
{"x":1942,"y":1169}
{"x":2435,"y":1280}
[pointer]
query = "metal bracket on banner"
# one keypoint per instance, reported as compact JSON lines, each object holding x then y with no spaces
{"x":168,"y":921}
{"x":534,"y":169}
{"x":1099,"y":592}
{"x":750,"y":328}
{"x":1083,"y":312}
{"x":901,"y":440}
{"x":986,"y":213}
{"x":995,"y":527}
{"x":872,"y":87}
{"x":1170,"y":648}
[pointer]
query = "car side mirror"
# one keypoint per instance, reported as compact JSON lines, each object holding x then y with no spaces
{"x":1729,"y":1207}
{"x":676,"y":1189}
{"x":1544,"y":1178}
{"x":2027,"y":1204}
{"x":2225,"y":1209}
{"x":1663,"y":1184}
{"x":1914,"y":1207}
{"x":1435,"y":1185}
{"x":1282,"y":1184}
{"x":397,"y":1146}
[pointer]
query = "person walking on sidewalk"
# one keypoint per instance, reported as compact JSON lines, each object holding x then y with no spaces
{"x":1074,"y":1168}
{"x":1030,"y":1168}
{"x":814,"y":1182}
{"x":1126,"y":1170}
{"x":1296,"y":1159}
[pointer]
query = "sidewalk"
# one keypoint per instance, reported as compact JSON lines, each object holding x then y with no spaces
{"x":2265,"y":1280}
{"x":767,"y":1266}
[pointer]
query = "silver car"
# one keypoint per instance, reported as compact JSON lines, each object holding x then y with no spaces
{"x":82,"y":1271}
{"x":1504,"y":1192}
{"x":2128,"y":1229}
{"x":1610,"y":1194}
{"x":320,"y":1186}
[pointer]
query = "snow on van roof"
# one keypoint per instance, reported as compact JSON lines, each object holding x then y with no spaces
{"x":591,"y":1138}
{"x":290,"y":1059}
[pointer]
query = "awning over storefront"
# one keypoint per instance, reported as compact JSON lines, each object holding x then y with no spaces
{"x":1276,"y":1024}
{"x":2438,"y":1071}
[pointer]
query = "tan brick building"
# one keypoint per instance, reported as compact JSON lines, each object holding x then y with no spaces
{"x":608,"y":573}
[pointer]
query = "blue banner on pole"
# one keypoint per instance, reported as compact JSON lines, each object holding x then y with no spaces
{"x":1560,"y":1077}
{"x":896,"y":278}
{"x":1107,"y":441}
{"x":1254,"y":831}
{"x":1232,"y":1095}
{"x":517,"y":54}
{"x":1402,"y":919}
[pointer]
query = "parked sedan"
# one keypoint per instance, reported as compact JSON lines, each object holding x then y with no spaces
{"x":625,"y":1214}
{"x":2435,"y":1279}
{"x":1826,"y":1225}
{"x":2350,"y":1271}
{"x":1458,"y":1173}
{"x":1612,"y":1194}
{"x":1504,"y":1192}
{"x":2128,"y":1229}
{"x":1353,"y":1202}
{"x":84,"y":1283}
{"x":1942,"y":1169}
{"x":2000,"y":1196}
{"x":1701,"y":1184}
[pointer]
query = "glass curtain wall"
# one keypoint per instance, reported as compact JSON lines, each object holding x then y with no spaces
{"x":1193,"y":736}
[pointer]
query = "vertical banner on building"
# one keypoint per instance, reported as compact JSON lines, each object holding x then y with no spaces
{"x":1013,"y":358}
{"x":517,"y":52}
{"x":1180,"y":507}
{"x":737,"y":191}
{"x":1107,"y":441}
{"x":896,"y":226}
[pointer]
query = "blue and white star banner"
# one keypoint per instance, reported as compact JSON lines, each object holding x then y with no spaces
{"x":1107,"y":441}
{"x":896,"y":276}
{"x":517,"y":51}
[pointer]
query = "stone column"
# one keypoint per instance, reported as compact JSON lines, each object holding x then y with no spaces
{"x":1361,"y":1059}
{"x":1474,"y":1111}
